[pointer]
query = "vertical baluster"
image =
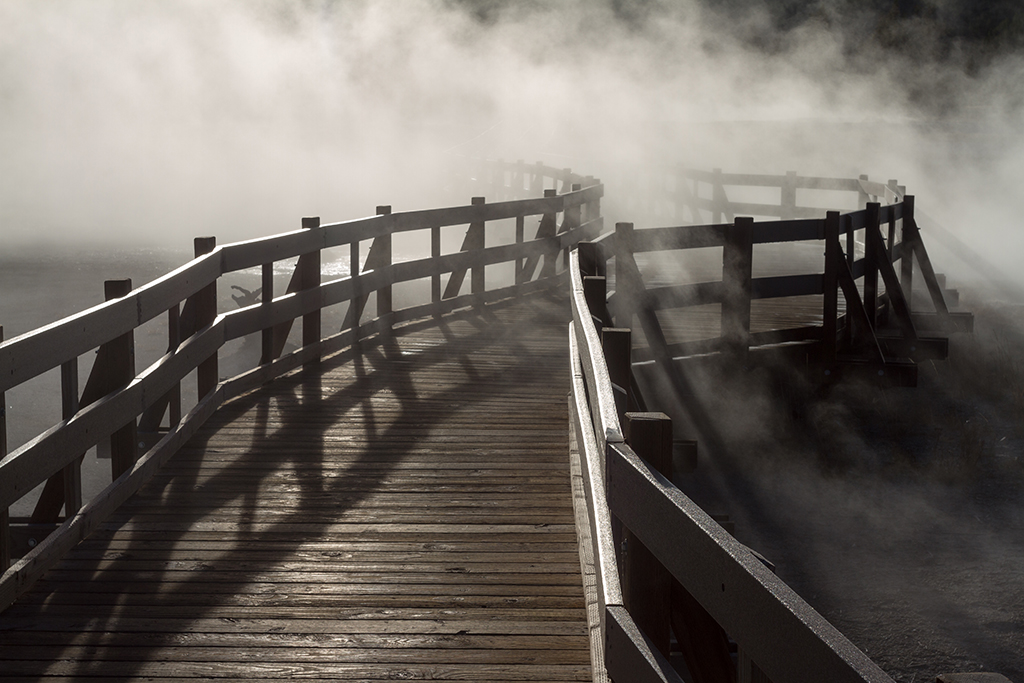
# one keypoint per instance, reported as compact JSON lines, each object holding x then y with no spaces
{"x":871,"y":263}
{"x":717,"y":196}
{"x":862,"y":197}
{"x":830,"y":305}
{"x":69,"y":406}
{"x":435,"y":253}
{"x":5,"y":517}
{"x":384,"y":303}
{"x":616,"y":343}
{"x":788,"y":206}
{"x":570,"y":222}
{"x":173,"y":341}
{"x":206,"y":312}
{"x":737,"y":258}
{"x":354,"y":309}
{"x":908,"y":239}
{"x":266,"y":301}
{"x":520,"y":236}
{"x":646,"y":584}
{"x":309,"y":264}
{"x":121,"y":371}
{"x":478,"y":241}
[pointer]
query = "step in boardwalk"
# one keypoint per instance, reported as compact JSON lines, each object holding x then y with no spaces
{"x":406,"y":514}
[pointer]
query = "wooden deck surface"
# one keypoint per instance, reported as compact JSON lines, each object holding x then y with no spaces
{"x":405,"y":515}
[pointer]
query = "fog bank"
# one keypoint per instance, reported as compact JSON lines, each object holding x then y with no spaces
{"x":153,"y":122}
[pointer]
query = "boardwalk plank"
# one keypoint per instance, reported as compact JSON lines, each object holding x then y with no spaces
{"x":406,"y":514}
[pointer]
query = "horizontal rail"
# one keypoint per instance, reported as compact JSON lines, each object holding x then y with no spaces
{"x":725,"y":578}
{"x":739,"y":592}
{"x":34,"y":353}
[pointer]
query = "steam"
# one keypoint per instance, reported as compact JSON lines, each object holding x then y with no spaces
{"x":154,"y":122}
{"x":148,"y":122}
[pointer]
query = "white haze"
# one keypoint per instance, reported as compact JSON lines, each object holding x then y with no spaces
{"x":150,"y":122}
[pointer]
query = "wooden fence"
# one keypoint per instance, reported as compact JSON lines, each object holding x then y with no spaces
{"x":142,"y":415}
{"x":662,"y":564}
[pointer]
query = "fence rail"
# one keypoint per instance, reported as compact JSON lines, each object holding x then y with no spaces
{"x":142,"y":416}
{"x":662,"y":563}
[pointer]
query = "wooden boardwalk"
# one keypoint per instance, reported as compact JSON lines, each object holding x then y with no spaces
{"x":406,"y":514}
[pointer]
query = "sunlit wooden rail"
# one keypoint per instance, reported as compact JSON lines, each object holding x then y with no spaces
{"x":392,"y":500}
{"x":403,"y":511}
{"x":143,"y":416}
{"x":663,"y":567}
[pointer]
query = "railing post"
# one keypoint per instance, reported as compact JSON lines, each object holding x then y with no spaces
{"x":384,"y":303}
{"x":871,"y":258}
{"x":355,"y":305}
{"x":548,"y":228}
{"x":69,"y":406}
{"x":646,"y":584}
{"x":862,"y":197}
{"x":624,"y":247}
{"x":206,"y":312}
{"x":592,"y":209}
{"x":267,"y":300}
{"x":570,"y":222}
{"x":310,"y":267}
{"x":830,"y":304}
{"x":435,"y":254}
{"x":595,"y":291}
{"x":717,"y":196}
{"x":123,"y":442}
{"x":592,"y":260}
{"x":908,"y":240}
{"x":616,"y":342}
{"x":788,"y":205}
{"x":477,"y":283}
{"x":5,"y":515}
{"x":891,"y":190}
{"x":737,"y":258}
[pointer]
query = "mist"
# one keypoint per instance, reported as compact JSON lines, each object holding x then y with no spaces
{"x":146,"y":123}
{"x":153,"y":122}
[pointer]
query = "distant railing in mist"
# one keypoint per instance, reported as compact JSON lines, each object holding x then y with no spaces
{"x":142,"y":415}
{"x":662,"y":564}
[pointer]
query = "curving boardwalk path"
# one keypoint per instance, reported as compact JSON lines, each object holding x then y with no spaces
{"x":406,"y":514}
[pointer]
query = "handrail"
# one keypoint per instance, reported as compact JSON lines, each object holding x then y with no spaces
{"x":728,"y":580}
{"x":801,"y":646}
{"x":565,"y":219}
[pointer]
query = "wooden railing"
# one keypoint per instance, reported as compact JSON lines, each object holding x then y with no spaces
{"x":141,"y":414}
{"x":661,"y":562}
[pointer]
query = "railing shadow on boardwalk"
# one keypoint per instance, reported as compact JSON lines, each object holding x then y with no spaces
{"x":631,"y":503}
{"x":301,"y":404}
{"x":125,"y":408}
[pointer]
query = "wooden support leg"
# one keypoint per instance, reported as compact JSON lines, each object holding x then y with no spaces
{"x":309,"y":267}
{"x":646,"y":584}
{"x":617,"y":350}
{"x":737,"y":258}
{"x":207,"y":374}
{"x":830,"y":303}
{"x":123,"y":442}
{"x":5,"y":517}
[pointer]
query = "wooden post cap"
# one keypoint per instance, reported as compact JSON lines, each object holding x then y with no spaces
{"x":204,"y":245}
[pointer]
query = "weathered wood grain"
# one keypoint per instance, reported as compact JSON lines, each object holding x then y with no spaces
{"x":406,"y":514}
